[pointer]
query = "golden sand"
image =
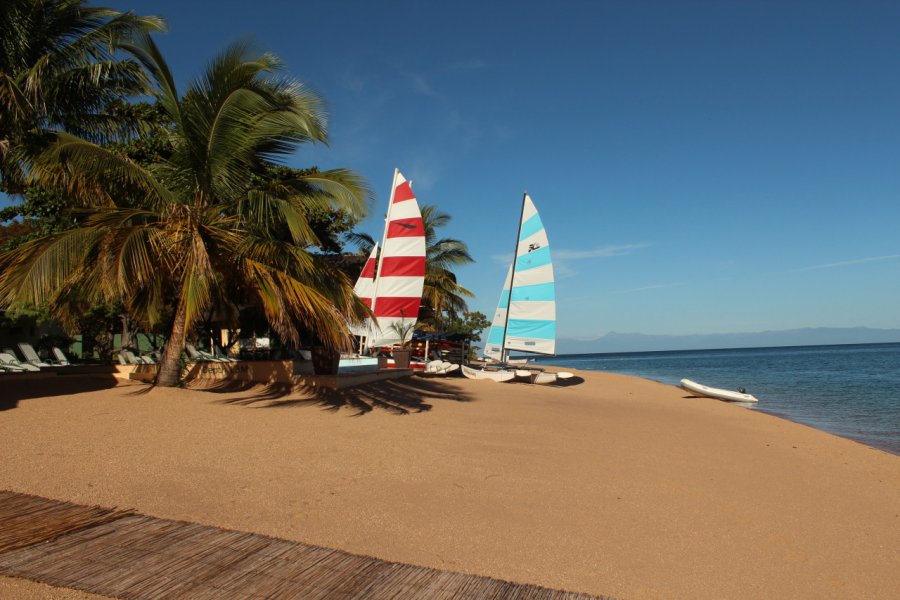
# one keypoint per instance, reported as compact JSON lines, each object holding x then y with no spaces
{"x":616,"y":486}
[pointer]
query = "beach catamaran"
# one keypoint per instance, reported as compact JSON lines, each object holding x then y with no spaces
{"x":525,"y":319}
{"x":392,"y":280}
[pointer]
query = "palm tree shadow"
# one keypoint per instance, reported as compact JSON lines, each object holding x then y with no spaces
{"x":398,"y":396}
{"x":15,"y":388}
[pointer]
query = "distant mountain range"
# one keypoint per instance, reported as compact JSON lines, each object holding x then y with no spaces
{"x":815,"y":336}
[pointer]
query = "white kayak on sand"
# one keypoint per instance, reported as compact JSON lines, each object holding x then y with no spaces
{"x":718,"y":394}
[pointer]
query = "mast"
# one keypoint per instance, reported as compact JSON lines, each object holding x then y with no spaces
{"x":387,"y":220}
{"x":512,"y":280}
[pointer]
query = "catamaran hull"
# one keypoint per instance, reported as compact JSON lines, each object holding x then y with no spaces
{"x":499,"y":375}
{"x":718,"y":394}
{"x":544,"y":378}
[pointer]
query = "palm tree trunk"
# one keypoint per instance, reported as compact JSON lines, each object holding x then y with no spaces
{"x":170,"y":361}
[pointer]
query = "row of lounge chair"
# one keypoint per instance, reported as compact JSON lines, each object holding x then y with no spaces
{"x":9,"y":362}
{"x":201,"y":356}
{"x":127,"y":357}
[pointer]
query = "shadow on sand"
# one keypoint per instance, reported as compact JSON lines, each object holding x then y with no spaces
{"x":15,"y":387}
{"x":398,"y":396}
{"x":569,"y":382}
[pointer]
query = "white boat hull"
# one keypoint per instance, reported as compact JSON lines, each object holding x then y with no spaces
{"x":544,"y":378}
{"x":498,"y":375}
{"x":718,"y":394}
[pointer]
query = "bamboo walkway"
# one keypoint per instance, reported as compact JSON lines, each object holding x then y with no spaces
{"x":128,"y":555}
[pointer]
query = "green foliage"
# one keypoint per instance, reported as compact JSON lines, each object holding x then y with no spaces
{"x":329,"y":226}
{"x":97,"y":325}
{"x":471,"y":324}
{"x":60,"y":69}
{"x":206,"y":224}
{"x":151,"y":139}
{"x":42,"y":213}
{"x":404,"y":331}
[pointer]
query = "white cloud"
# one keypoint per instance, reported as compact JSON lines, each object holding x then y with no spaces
{"x":601,"y":252}
{"x":422,"y":86}
{"x":562,"y":258}
{"x":562,"y":255}
{"x":845,"y":263}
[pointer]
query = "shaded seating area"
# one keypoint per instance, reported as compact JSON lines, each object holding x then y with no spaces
{"x":30,"y":360}
{"x":9,"y":362}
{"x":216,"y":355}
{"x":31,"y":357}
{"x":127,"y":357}
{"x":61,"y":358}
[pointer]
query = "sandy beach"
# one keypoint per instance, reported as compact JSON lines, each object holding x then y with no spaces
{"x":615,"y":486}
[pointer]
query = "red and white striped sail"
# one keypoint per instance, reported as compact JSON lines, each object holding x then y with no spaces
{"x":400,"y":278}
{"x":365,"y":289}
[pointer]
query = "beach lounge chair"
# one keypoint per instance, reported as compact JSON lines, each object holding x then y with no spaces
{"x":31,"y":357}
{"x":61,"y":358}
{"x":217,"y":353}
{"x":200,"y":356}
{"x":127,"y":357}
{"x":142,"y":359}
{"x":11,"y":363}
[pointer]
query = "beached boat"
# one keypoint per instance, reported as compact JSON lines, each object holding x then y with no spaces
{"x":489,"y":374}
{"x":525,"y":320}
{"x":392,"y":280}
{"x":718,"y":394}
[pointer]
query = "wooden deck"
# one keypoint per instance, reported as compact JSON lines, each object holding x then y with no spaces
{"x":124,"y":554}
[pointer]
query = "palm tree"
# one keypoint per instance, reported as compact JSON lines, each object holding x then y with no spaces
{"x":208,"y":222}
{"x":442,"y":294}
{"x":59,"y":70}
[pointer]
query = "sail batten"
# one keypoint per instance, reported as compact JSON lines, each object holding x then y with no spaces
{"x":525,"y":319}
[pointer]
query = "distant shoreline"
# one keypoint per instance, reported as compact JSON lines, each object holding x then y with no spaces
{"x":614,"y":342}
{"x":544,"y":360}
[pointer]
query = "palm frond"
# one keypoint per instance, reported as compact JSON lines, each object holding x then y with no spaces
{"x":93,"y":173}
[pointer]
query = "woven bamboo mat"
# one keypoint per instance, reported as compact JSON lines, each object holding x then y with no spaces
{"x":127,"y":555}
{"x":26,"y":520}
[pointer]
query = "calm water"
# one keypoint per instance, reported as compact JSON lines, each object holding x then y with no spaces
{"x":852,"y":391}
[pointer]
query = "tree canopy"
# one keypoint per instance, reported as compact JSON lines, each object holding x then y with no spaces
{"x":208,"y":225}
{"x":60,"y":69}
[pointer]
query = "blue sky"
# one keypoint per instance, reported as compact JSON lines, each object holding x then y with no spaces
{"x":701,"y":167}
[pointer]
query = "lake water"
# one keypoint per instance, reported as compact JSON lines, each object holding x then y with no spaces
{"x":852,"y":391}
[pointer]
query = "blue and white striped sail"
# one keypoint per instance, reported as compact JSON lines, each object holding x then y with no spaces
{"x":493,"y":348}
{"x":529,"y":295}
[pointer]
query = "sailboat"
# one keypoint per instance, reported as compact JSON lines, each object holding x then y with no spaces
{"x":365,"y":289}
{"x":525,"y":319}
{"x":392,"y":280}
